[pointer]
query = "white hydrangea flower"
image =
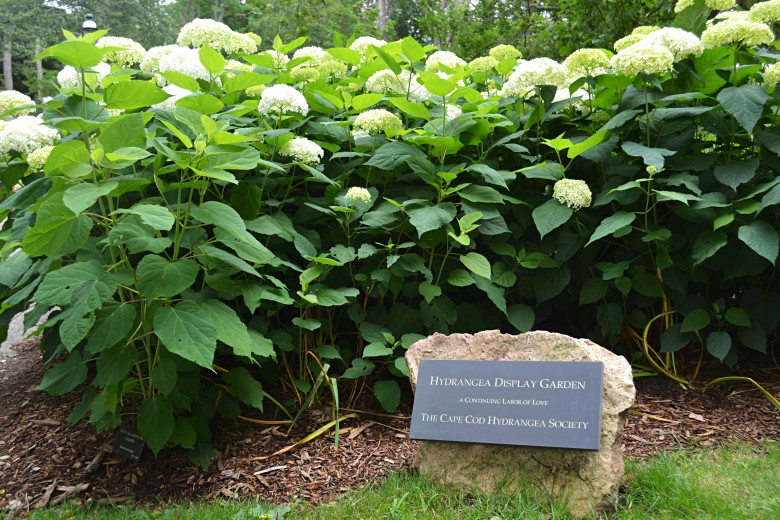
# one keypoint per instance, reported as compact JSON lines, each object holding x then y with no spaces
{"x":133,"y":51}
{"x":772,"y":75}
{"x":69,"y":77}
{"x":585,"y":62}
{"x":446,"y":58}
{"x":318,"y":55}
{"x":303,"y":74}
{"x":26,"y":134}
{"x":280,"y":60}
{"x":766,"y":12}
{"x":483,"y":64}
{"x":363,"y":43}
{"x":185,"y":61}
{"x":151,"y":62}
{"x":681,"y":43}
{"x":240,"y":42}
{"x":502,"y":52}
{"x":176,"y":94}
{"x":11,"y":99}
{"x":717,"y":5}
{"x":37,"y":158}
{"x":643,"y":58}
{"x":574,"y":193}
{"x":282,"y":99}
{"x":375,"y":121}
{"x":358,"y":194}
{"x":531,"y":73}
{"x":386,"y":82}
{"x":203,"y":32}
{"x":303,"y":150}
{"x":627,"y":41}
{"x":332,"y":68}
{"x":236,"y":65}
{"x":452,"y":111}
{"x":733,"y":31}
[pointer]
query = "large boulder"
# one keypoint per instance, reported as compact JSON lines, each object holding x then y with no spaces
{"x":585,"y":481}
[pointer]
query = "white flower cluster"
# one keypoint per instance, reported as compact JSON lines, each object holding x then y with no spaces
{"x":37,"y":158}
{"x":446,"y":58}
{"x":585,"y":62}
{"x":357,"y":194}
{"x":185,"y":61}
{"x":176,"y":94}
{"x":26,"y":134}
{"x":717,"y":5}
{"x":11,"y":99}
{"x":503,"y":51}
{"x":627,"y":41}
{"x":151,"y":61}
{"x":318,"y":55}
{"x":574,"y":193}
{"x":363,"y":43}
{"x":531,"y":73}
{"x":766,"y":12}
{"x":131,"y":54}
{"x":386,"y":82}
{"x":483,"y":64}
{"x":202,"y":32}
{"x":642,"y":58}
{"x":734,"y":31}
{"x":280,"y":60}
{"x":679,"y":42}
{"x":282,"y":99}
{"x":305,"y":74}
{"x":374,"y":121}
{"x":303,"y":150}
{"x":772,"y":75}
{"x":69,"y":77}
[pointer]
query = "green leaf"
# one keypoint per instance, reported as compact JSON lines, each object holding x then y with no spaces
{"x":155,"y":422}
{"x":164,"y":376}
{"x":611,"y":224}
{"x":551,"y":215}
{"x":719,"y":344}
{"x":761,"y":238}
{"x":376,"y":350}
{"x":488,"y":174}
{"x":436,"y":85}
{"x":707,"y":245}
{"x":230,"y":329}
{"x":75,"y":326}
{"x":245,"y":80}
{"x":76,"y":53}
{"x":476,"y":193}
{"x":745,"y":103}
{"x":160,"y":278}
{"x":477,"y":264}
{"x":218,"y":214}
{"x":65,"y":376}
{"x":428,"y":218}
{"x":753,"y":338}
{"x":695,"y":320}
{"x":70,"y":159}
{"x":211,"y":60}
{"x":581,"y":147}
{"x":126,"y":132}
{"x":736,"y":173}
{"x":222,"y":256}
{"x":620,"y":119}
{"x":411,"y":108}
{"x":650,"y":156}
{"x":84,"y":195}
{"x":521,"y":317}
{"x":388,"y":393}
{"x":132,"y":94}
{"x":737,"y":316}
{"x":460,"y":278}
{"x":592,"y":291}
{"x":672,"y":340}
{"x":201,"y":103}
{"x":363,"y":101}
{"x":429,"y":291}
{"x":328,"y":297}
{"x":202,"y":455}
{"x":307,"y":324}
{"x":137,"y":236}
{"x":181,"y":80}
{"x":187,"y":329}
{"x":245,"y":387}
{"x":546,"y":171}
{"x":184,"y":434}
{"x":359,"y":368}
{"x":157,"y":217}
{"x":114,"y":364}
{"x":86,"y":283}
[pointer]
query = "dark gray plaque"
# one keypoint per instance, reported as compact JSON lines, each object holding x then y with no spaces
{"x":525,"y":403}
{"x":129,"y":444}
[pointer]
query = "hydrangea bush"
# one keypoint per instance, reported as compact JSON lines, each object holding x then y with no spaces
{"x":216,"y":232}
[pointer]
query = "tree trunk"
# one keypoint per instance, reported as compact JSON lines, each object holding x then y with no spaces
{"x":382,"y":18}
{"x":8,"y":77}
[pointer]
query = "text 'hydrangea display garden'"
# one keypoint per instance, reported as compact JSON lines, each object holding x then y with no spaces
{"x":220,"y":227}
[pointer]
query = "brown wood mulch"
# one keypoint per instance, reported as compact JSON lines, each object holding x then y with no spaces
{"x":43,"y":461}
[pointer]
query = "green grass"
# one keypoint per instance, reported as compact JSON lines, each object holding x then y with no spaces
{"x":737,"y":482}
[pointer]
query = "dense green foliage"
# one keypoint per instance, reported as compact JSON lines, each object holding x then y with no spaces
{"x":202,"y":249}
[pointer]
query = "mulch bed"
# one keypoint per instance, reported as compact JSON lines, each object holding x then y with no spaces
{"x":47,"y":462}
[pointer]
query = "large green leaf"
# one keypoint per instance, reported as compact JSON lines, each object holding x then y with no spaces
{"x":230,"y":329}
{"x":612,"y":224}
{"x":165,"y":376}
{"x":245,"y":387}
{"x":114,"y":364}
{"x":411,"y":108}
{"x":650,"y":156}
{"x":201,"y":103}
{"x":736,"y":173}
{"x":220,"y":255}
{"x":129,"y":95}
{"x":126,"y":132}
{"x":113,"y":323}
{"x":70,"y":159}
{"x":155,"y":422}
{"x":477,"y":264}
{"x":695,"y":320}
{"x":137,"y":236}
{"x":246,"y":246}
{"x":388,"y":393}
{"x":521,"y":317}
{"x":187,"y":329}
{"x":551,"y":215}
{"x":761,"y":238}
{"x":77,"y":321}
{"x":161,"y":278}
{"x":87,"y":281}
{"x":76,"y":53}
{"x":431,"y":217}
{"x":745,"y":103}
{"x":157,"y":217}
{"x":65,"y":376}
{"x":218,"y":214}
{"x":212,"y":60}
{"x":57,"y":231}
{"x":719,"y":344}
{"x":84,"y":195}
